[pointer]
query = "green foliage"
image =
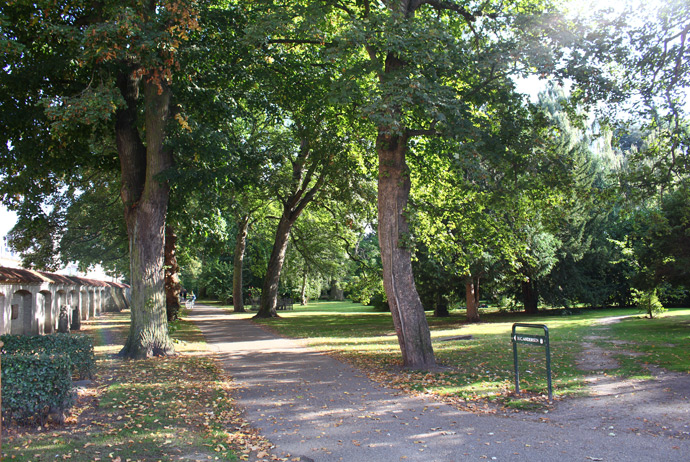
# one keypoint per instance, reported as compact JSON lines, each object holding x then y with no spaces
{"x":316,"y":255}
{"x":436,"y":284}
{"x":78,"y":348}
{"x":366,"y":282}
{"x":34,"y":385}
{"x":363,"y":287}
{"x":379,"y":301}
{"x":191,"y":270}
{"x":648,"y":302}
{"x":276,"y":105}
{"x":84,"y":224}
{"x":659,"y":242}
{"x":216,"y":279}
{"x":673,"y":296}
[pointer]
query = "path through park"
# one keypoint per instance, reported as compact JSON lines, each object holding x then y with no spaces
{"x":313,"y":407}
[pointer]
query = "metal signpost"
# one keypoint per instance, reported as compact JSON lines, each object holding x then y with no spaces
{"x":538,"y":340}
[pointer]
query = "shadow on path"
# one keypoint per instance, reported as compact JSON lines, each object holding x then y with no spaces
{"x":313,"y":407}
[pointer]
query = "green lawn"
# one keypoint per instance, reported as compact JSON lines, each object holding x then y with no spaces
{"x":160,"y":409}
{"x":481,"y":368}
{"x":180,"y":408}
{"x":663,"y":341}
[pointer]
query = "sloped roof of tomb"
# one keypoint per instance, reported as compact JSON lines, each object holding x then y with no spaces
{"x":21,"y":276}
{"x":58,"y":278}
{"x":118,"y":285}
{"x":27,"y":276}
{"x":88,"y":282}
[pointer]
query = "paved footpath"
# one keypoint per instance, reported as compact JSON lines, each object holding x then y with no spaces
{"x":315,"y":408}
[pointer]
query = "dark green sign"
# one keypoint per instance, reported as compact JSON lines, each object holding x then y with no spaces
{"x":537,"y":340}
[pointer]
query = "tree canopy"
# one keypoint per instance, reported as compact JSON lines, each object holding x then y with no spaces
{"x":255,"y":133}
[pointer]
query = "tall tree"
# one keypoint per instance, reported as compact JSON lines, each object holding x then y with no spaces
{"x":318,"y":155}
{"x":100,"y":69}
{"x":417,"y":68}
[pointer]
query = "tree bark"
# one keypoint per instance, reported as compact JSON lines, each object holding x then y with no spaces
{"x":336,"y":293}
{"x":304,"y":188}
{"x":172,"y":275}
{"x":408,"y":314}
{"x":472,"y":299}
{"x":238,"y":265}
{"x":441,"y":306}
{"x":303,"y":298}
{"x":269,"y":291}
{"x":145,"y":200}
{"x":530,"y":297}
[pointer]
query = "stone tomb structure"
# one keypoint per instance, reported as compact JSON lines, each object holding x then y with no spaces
{"x":37,"y":303}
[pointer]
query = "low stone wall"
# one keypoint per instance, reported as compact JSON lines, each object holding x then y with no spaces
{"x":31,"y":302}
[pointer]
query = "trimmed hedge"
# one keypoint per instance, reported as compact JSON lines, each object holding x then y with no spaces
{"x":78,"y":347}
{"x":33,"y":386}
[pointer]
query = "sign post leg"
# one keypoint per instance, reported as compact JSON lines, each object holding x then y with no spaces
{"x":548,"y":370}
{"x":517,"y":371}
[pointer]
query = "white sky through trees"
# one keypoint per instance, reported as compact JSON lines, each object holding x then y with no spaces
{"x":7,"y":220}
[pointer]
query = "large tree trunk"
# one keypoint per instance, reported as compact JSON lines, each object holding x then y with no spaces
{"x":303,"y":292}
{"x":530,"y":297}
{"x":238,"y":265}
{"x":145,"y":200}
{"x":472,"y":299}
{"x":269,"y":292}
{"x":393,"y":193}
{"x":336,"y":293}
{"x":172,"y":276}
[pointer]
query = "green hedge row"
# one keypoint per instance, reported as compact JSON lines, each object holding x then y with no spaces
{"x":78,"y":347}
{"x":33,"y":386}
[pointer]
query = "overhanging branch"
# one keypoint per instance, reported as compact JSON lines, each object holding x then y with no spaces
{"x":301,"y":42}
{"x":431,"y":131}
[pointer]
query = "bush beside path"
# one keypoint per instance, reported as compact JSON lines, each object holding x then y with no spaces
{"x":176,"y":408}
{"x":278,"y":399}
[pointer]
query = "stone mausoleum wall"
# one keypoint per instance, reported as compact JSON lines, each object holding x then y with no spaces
{"x":31,"y":301}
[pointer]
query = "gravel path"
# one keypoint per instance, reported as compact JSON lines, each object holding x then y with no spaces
{"x":315,"y":408}
{"x":658,"y":407}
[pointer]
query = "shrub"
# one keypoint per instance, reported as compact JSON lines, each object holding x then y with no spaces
{"x":363,"y":288}
{"x":648,"y":302}
{"x":33,"y":386}
{"x":77,"y":347}
{"x":379,"y":302}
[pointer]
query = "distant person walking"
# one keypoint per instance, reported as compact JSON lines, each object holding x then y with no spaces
{"x":190,"y":302}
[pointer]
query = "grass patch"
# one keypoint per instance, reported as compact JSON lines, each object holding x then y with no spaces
{"x":479,"y":370}
{"x":159,"y":409}
{"x":662,"y":341}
